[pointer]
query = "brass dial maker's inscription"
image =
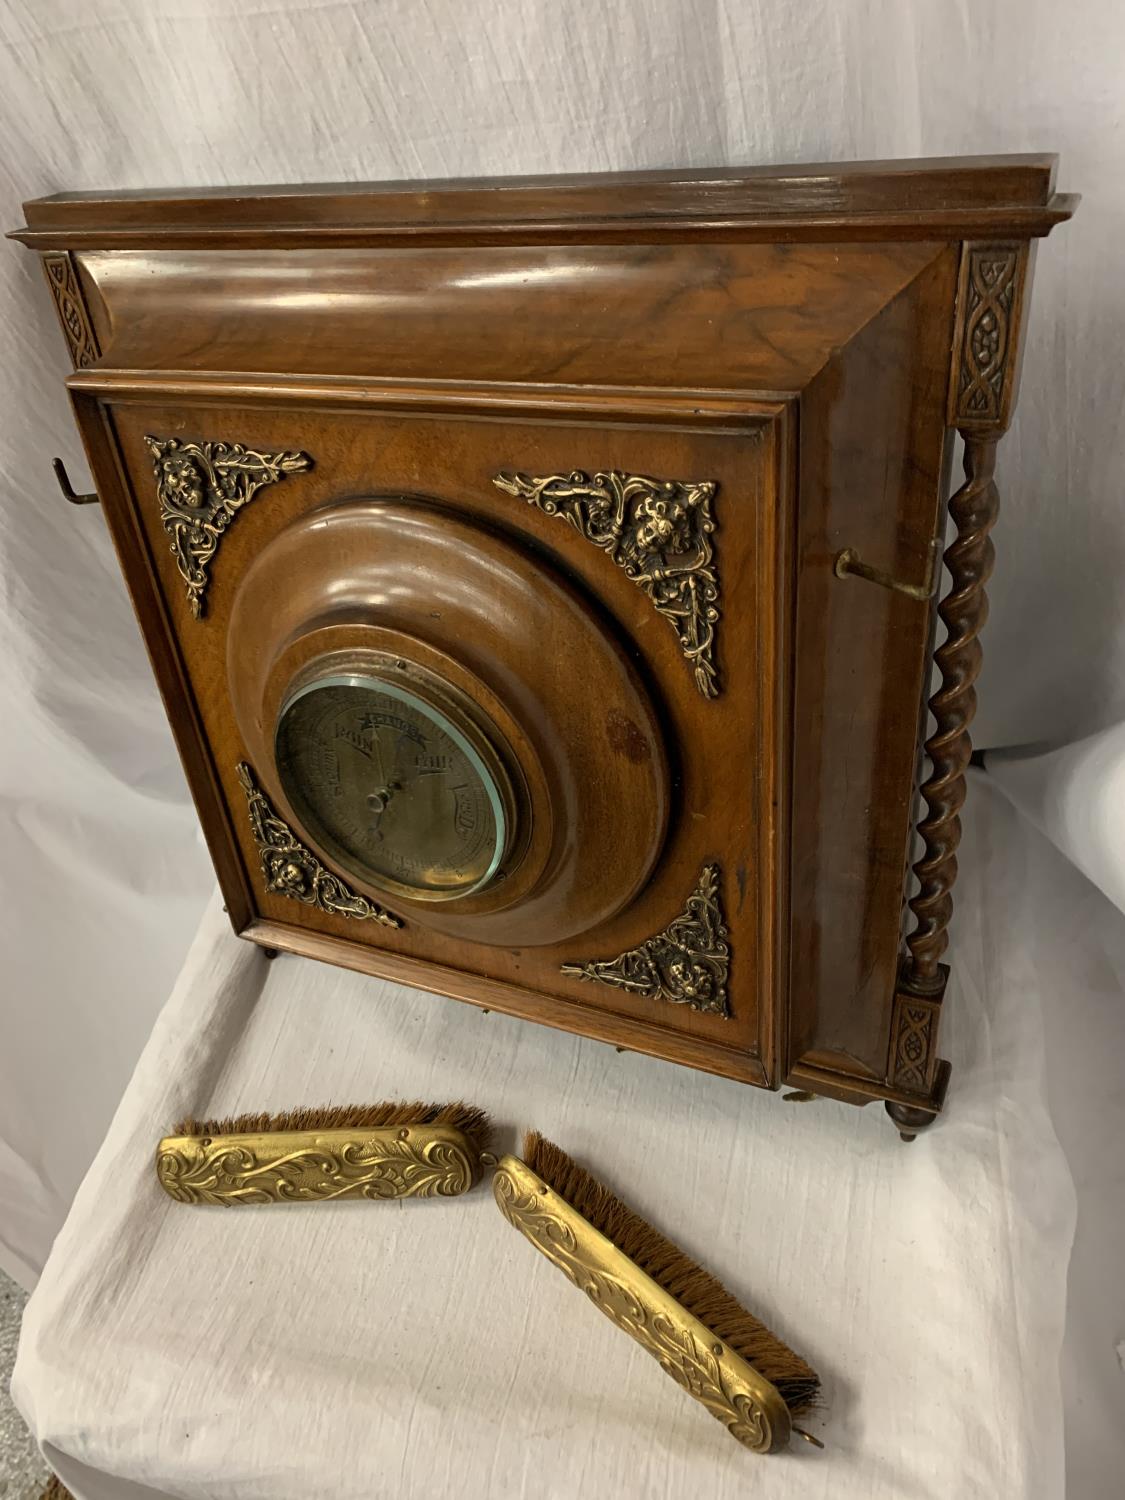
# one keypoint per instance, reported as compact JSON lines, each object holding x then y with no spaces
{"x":393,"y":785}
{"x":658,"y":531}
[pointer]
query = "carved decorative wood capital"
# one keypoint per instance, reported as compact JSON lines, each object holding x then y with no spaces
{"x":62,"y":278}
{"x":913,"y":1059}
{"x":986,"y":341}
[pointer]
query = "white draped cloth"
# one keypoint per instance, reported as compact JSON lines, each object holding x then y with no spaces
{"x":103,"y":877}
{"x":422,"y":1349}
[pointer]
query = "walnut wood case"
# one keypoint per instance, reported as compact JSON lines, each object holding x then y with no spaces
{"x":651,"y":470}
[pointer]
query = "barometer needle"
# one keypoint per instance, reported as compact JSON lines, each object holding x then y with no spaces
{"x":377,"y":746}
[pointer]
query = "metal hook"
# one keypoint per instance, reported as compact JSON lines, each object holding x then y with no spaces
{"x":850,"y":562}
{"x":68,"y":489}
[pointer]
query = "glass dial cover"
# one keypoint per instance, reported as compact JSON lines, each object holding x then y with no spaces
{"x":395,"y":783}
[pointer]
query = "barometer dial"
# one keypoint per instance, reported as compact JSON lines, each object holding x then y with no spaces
{"x":395,"y":784}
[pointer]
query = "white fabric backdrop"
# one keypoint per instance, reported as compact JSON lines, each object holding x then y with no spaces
{"x":103,"y":875}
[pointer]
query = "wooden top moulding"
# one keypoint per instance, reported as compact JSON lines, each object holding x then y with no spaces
{"x":937,"y":198}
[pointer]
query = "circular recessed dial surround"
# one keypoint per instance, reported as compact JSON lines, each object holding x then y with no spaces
{"x":552,"y":737}
{"x":396,"y":781}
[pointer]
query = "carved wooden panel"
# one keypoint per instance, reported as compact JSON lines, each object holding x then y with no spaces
{"x":62,"y":278}
{"x":985,"y":346}
{"x":582,"y":678}
{"x":913,"y":1051}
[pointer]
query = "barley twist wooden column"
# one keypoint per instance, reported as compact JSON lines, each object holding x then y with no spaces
{"x":982,"y":391}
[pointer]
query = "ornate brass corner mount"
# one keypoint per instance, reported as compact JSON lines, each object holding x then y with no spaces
{"x":201,"y":487}
{"x":658,"y":531}
{"x":686,"y":964}
{"x":290,"y":869}
{"x":749,"y":1406}
{"x":307,"y":1166}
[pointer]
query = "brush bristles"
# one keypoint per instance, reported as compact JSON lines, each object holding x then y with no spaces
{"x":693,"y":1288}
{"x":467,"y":1118}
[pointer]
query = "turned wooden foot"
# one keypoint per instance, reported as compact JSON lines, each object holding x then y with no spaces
{"x":909,"y":1120}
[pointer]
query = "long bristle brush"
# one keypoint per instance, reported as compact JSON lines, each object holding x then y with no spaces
{"x":678,"y":1312}
{"x":372,"y":1151}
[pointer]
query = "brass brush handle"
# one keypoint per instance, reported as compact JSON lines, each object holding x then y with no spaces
{"x":306,"y":1166}
{"x":749,"y":1406}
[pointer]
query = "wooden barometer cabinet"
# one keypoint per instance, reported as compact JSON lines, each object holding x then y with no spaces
{"x":541,"y":577}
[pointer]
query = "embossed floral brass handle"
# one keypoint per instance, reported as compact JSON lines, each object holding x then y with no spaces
{"x":307,"y":1166}
{"x":750,"y":1407}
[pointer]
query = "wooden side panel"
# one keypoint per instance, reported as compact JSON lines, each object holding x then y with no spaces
{"x":873,"y":475}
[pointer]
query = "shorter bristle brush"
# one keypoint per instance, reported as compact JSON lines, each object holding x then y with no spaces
{"x":678,"y":1312}
{"x":373,"y":1151}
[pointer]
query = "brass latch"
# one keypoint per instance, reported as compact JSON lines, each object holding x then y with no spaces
{"x":850,"y":563}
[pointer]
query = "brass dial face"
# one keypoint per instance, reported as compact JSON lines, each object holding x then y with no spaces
{"x":393,"y":777}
